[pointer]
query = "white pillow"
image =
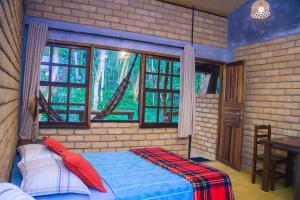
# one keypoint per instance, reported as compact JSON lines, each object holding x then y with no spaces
{"x":9,"y":191}
{"x":50,"y":176}
{"x":30,"y":152}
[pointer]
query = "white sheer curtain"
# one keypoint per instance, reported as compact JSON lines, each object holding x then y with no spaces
{"x":186,"y":123}
{"x":36,"y":41}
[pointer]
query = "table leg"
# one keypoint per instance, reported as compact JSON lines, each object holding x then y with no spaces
{"x":266,"y":167}
{"x":289,"y":173}
{"x":297,"y":183}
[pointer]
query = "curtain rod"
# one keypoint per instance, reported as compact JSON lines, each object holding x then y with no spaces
{"x":115,"y":37}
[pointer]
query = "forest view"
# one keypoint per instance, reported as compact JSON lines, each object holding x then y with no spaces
{"x":109,"y":69}
{"x":64,"y":74}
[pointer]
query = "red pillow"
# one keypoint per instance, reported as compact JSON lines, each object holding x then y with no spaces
{"x":83,"y":169}
{"x":55,"y":146}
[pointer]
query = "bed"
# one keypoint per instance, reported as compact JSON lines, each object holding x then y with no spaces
{"x":127,"y":176}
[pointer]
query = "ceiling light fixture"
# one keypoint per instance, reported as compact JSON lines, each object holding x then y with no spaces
{"x":260,"y":9}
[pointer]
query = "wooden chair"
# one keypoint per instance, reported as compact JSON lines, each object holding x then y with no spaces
{"x":260,"y":138}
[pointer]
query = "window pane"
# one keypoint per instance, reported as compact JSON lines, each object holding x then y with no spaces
{"x":45,"y":91}
{"x":176,"y":68}
{"x":165,"y":82}
{"x":197,"y":82}
{"x":59,"y":94}
{"x":150,"y":114}
{"x":77,"y":75}
{"x":204,"y":81}
{"x":110,"y":68}
{"x":60,"y":55}
{"x":165,"y":115}
{"x":165,"y":99}
{"x":46,"y":54}
{"x":62,"y":68}
{"x":151,"y":99}
{"x":165,"y":66}
{"x":43,"y":117}
{"x":78,"y":57}
{"x":77,"y":95}
{"x":175,"y":115}
{"x":151,"y":81}
{"x":76,"y":113}
{"x":59,"y":74}
{"x":218,"y":86}
{"x":44,"y":73}
{"x":61,"y":110}
{"x":176,"y":83}
{"x":176,"y":100}
{"x":128,"y":107}
{"x":152,"y":65}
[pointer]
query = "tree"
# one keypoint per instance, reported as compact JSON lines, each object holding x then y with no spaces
{"x":99,"y":73}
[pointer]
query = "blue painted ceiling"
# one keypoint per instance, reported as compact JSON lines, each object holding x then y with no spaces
{"x":284,"y":20}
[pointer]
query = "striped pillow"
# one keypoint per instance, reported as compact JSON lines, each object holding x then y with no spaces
{"x":49,"y":176}
{"x":9,"y":191}
{"x":30,"y":152}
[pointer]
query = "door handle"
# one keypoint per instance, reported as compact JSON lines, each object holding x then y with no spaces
{"x":240,"y":115}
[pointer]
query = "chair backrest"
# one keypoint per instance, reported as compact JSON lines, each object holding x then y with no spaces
{"x":262,"y":133}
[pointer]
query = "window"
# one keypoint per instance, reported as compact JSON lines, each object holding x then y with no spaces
{"x":207,"y":78}
{"x":64,"y":86}
{"x":160,"y":91}
{"x":110,"y":69}
{"x":117,"y":85}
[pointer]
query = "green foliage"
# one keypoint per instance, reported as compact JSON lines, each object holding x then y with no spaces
{"x":114,"y":72}
{"x":116,"y":66}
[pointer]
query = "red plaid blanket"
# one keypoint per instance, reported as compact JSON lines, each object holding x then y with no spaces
{"x":208,"y":183}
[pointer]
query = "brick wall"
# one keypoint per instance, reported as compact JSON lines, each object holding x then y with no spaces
{"x":148,"y":17}
{"x":205,"y":139}
{"x":272,"y":88}
{"x":117,"y":137}
{"x":10,"y":61}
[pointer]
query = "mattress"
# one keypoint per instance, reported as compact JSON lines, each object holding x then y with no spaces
{"x":126,"y":177}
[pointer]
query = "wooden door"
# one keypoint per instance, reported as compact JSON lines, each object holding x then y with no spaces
{"x":231,"y":112}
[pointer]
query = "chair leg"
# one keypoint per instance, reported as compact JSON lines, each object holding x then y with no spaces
{"x":289,"y":170}
{"x":253,"y":172}
{"x":273,"y":175}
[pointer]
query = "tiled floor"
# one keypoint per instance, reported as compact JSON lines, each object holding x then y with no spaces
{"x":245,"y":190}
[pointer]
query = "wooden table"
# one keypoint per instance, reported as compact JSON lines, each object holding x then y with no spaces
{"x":290,"y":145}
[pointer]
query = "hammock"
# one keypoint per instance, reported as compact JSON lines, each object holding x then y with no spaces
{"x":118,"y":95}
{"x":47,"y":109}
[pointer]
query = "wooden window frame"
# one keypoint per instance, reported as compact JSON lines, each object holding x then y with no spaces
{"x":129,"y":51}
{"x":144,"y":72}
{"x":86,"y":85}
{"x":142,"y":91}
{"x":214,"y":68}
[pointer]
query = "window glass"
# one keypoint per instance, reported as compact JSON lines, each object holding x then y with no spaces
{"x":46,"y":54}
{"x":63,"y":86}
{"x":77,"y":75}
{"x":59,"y":74}
{"x":44,"y":71}
{"x":60,"y":55}
{"x":207,"y":78}
{"x":112,"y":72}
{"x":161,"y":91}
{"x":78,"y":57}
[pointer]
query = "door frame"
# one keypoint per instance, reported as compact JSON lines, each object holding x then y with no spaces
{"x":220,"y":110}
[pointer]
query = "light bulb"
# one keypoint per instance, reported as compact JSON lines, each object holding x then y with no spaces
{"x":261,"y":9}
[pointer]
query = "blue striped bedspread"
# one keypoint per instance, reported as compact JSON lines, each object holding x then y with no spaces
{"x":133,"y":178}
{"x":127,"y":177}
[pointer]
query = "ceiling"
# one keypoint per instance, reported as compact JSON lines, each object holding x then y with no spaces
{"x":218,"y":7}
